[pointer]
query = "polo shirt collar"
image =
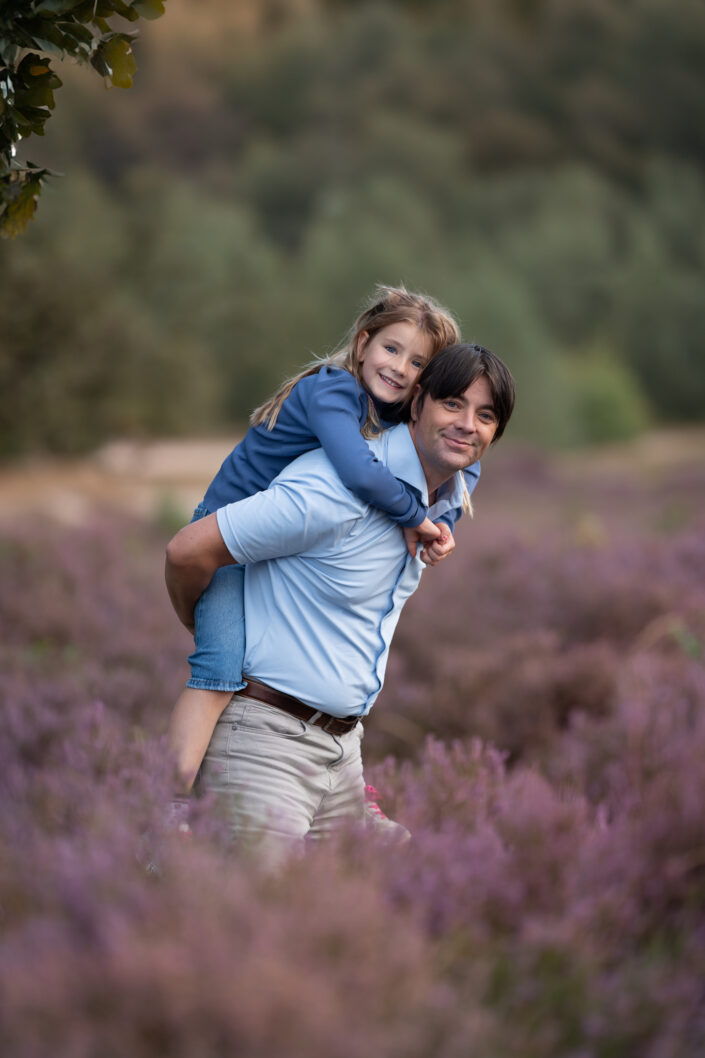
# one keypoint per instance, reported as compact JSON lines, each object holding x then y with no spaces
{"x":400,"y":455}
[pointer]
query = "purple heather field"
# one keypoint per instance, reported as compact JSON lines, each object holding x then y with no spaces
{"x":542,"y":733}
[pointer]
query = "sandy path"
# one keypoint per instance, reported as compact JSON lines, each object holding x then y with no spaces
{"x":136,"y":478}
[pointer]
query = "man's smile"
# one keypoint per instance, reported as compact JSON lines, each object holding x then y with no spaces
{"x":460,"y":444}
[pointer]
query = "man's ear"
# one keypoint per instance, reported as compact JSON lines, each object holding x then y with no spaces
{"x":413,"y":410}
{"x":362,"y":340}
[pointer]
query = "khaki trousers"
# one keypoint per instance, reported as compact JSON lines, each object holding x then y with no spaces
{"x":283,"y":781}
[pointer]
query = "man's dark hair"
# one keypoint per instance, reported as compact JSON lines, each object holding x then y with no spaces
{"x":454,"y":369}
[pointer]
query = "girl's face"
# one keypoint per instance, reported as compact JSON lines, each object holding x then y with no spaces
{"x":392,"y":360}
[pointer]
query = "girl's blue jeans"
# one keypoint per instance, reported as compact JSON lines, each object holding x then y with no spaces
{"x":216,"y":662}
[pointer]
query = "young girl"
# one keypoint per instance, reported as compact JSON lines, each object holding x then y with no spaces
{"x":333,"y":403}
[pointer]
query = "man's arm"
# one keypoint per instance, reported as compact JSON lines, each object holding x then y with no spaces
{"x":305,"y":504}
{"x":192,"y":557}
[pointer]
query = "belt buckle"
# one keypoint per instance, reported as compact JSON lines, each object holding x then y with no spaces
{"x":331,"y":720}
{"x":347,"y":722}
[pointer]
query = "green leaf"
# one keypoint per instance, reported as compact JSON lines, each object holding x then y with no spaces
{"x":149,"y":9}
{"x":34,"y":65}
{"x":100,"y":63}
{"x":49,"y":38}
{"x":123,"y":8}
{"x":118,"y":55}
{"x":36,"y":83}
{"x":81,"y":34}
{"x":102,"y":9}
{"x":39,"y":95}
{"x":55,"y":7}
{"x":18,"y":213}
{"x":30,"y":119}
{"x":85,"y":11}
{"x":40,"y":171}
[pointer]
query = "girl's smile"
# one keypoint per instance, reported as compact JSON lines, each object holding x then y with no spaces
{"x":392,"y":360}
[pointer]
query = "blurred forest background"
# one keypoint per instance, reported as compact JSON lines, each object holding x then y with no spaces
{"x":537,"y":165}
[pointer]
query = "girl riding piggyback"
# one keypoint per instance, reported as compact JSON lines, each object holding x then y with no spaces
{"x":334,"y":403}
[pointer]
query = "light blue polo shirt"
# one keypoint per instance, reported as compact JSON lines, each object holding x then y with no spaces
{"x":327,"y":576}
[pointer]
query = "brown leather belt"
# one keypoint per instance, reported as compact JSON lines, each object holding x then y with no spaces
{"x":334,"y":725}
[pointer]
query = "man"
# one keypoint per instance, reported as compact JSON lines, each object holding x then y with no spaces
{"x":326,"y":579}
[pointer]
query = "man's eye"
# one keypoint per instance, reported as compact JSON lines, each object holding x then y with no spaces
{"x":452,"y":404}
{"x":488,"y":417}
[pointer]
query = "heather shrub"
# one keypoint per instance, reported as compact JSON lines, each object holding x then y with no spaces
{"x":573,"y":923}
{"x":542,"y":735}
{"x":211,"y":959}
{"x":84,"y":615}
{"x":540,"y":634}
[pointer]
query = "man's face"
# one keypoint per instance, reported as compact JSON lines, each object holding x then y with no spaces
{"x":451,"y":434}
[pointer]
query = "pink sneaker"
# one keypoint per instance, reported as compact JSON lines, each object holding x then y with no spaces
{"x":391,"y":833}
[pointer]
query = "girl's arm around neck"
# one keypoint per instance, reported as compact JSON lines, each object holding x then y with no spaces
{"x":337,"y":409}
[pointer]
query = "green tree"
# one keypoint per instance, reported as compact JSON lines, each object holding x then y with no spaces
{"x":83,"y":30}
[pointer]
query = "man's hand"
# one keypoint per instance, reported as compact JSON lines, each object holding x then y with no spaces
{"x":439,"y":548}
{"x":423,"y":534}
{"x":192,"y":557}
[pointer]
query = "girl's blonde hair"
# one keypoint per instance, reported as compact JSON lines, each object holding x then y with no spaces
{"x":388,"y":305}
